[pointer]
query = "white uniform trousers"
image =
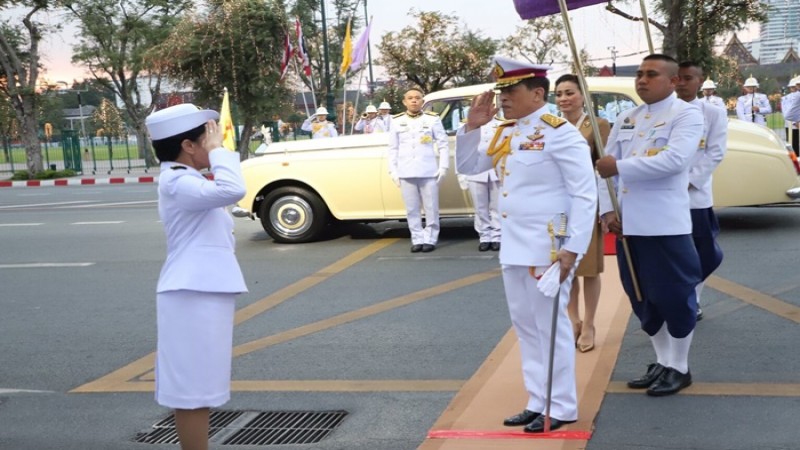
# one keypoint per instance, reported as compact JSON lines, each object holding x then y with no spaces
{"x":531,"y":313}
{"x":194,"y":349}
{"x":419,"y":193}
{"x":487,"y":221}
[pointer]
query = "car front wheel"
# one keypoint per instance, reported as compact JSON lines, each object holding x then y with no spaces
{"x":293,"y":215}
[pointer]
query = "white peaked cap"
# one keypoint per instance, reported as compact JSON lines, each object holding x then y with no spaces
{"x":384,"y":105}
{"x":177,"y":119}
{"x":320,"y":111}
{"x":371,"y":109}
{"x":708,"y":84}
{"x":508,"y":72}
{"x":751,"y":82}
{"x":794,"y":81}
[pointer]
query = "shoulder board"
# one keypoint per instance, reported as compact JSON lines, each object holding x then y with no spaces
{"x":507,"y":123}
{"x":553,"y":121}
{"x":399,"y":115}
{"x":431,"y":113}
{"x":178,"y":167}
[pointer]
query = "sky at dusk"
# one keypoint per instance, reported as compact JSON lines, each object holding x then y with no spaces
{"x":594,"y":28}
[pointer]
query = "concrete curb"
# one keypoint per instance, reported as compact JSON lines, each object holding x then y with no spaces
{"x":79,"y":181}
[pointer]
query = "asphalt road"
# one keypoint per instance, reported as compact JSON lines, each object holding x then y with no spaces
{"x":355,"y":323}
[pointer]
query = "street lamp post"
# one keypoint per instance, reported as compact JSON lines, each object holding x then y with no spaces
{"x":80,"y":104}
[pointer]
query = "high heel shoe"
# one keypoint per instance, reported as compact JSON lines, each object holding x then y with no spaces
{"x":576,"y":330}
{"x":586,"y":341}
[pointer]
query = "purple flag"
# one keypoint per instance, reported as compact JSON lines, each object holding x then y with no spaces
{"x":360,"y":48}
{"x":531,"y":9}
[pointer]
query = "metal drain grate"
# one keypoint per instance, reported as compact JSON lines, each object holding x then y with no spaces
{"x":254,"y":428}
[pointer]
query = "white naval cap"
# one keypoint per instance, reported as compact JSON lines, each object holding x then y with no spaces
{"x":508,"y":72}
{"x":794,"y":81}
{"x":384,"y":105}
{"x":321,"y":111}
{"x":371,"y":109}
{"x":177,"y":119}
{"x":751,"y":82}
{"x":708,"y":84}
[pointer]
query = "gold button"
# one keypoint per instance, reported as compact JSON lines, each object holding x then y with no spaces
{"x":624,"y":190}
{"x":508,"y":173}
{"x":633,"y":154}
{"x":505,"y":194}
{"x":505,"y":215}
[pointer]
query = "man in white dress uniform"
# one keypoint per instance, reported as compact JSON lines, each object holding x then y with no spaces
{"x":752,"y":106}
{"x":319,"y":126}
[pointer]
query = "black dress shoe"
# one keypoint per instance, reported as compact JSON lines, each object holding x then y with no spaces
{"x":416,"y":248}
{"x":653,"y":372}
{"x":484,"y":246}
{"x":427,"y":248}
{"x":699,"y":316}
{"x":670,"y":382}
{"x":523,"y":418}
{"x":495,"y":246}
{"x":537,"y":426}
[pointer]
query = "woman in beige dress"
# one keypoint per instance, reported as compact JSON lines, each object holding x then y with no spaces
{"x":569,"y":99}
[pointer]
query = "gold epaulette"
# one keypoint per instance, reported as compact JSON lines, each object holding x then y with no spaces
{"x":553,"y":121}
{"x":399,"y":115}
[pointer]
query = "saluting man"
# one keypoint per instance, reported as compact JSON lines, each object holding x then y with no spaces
{"x":384,"y":122}
{"x":712,"y":148}
{"x":417,"y":169}
{"x":319,"y":126}
{"x":650,"y":151}
{"x":709,"y":94}
{"x":545,"y":170}
{"x":752,"y":106}
{"x":368,"y":120}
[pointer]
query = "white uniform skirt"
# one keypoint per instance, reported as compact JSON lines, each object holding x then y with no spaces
{"x":195,"y":343}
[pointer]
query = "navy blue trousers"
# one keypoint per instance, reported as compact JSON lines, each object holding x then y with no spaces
{"x":667,"y":269}
{"x":705,"y":229}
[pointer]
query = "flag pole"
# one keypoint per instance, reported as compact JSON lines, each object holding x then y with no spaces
{"x":598,"y":141}
{"x":303,"y":92}
{"x":355,"y":106}
{"x":646,"y":26}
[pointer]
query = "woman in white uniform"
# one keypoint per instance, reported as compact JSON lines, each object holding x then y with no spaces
{"x":201,"y":277}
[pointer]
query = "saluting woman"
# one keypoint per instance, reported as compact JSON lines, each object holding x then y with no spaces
{"x":201,"y":276}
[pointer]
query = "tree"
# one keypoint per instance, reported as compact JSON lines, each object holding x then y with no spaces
{"x":114,"y":38}
{"x":19,"y":74}
{"x":540,"y":40}
{"x":436,"y":52}
{"x":236,"y":44}
{"x":690,"y":27}
{"x":108,"y":121}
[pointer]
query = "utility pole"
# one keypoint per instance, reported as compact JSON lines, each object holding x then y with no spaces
{"x":328,"y":89}
{"x":614,"y":52}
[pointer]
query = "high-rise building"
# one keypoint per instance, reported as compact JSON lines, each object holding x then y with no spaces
{"x":781,"y":32}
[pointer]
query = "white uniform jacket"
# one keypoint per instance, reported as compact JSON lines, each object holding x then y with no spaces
{"x":547,"y":172}
{"x":744,"y":108}
{"x":383,"y":123}
{"x":487,"y":133}
{"x":411,"y":146}
{"x":715,"y":101}
{"x":200,"y":242}
{"x":654,"y":146}
{"x":319,"y":129}
{"x":366,"y":125}
{"x":791,"y":111}
{"x":713,"y":146}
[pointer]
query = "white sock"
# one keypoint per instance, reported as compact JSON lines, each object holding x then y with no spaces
{"x":697,"y":290}
{"x":661,"y":344}
{"x":679,"y":353}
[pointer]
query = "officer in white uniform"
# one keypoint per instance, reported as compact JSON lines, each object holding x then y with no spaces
{"x":483,"y":189}
{"x":368,"y":120}
{"x":384,"y":123}
{"x":650,"y":152}
{"x":616,"y":107}
{"x":709,"y":96}
{"x":201,"y":277}
{"x":786,"y":105}
{"x":319,"y":126}
{"x":418,"y":161}
{"x":713,"y":145}
{"x":752,"y":106}
{"x":792,"y":111}
{"x":545,"y":171}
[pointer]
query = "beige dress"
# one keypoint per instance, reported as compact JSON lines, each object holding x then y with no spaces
{"x":592,"y":263}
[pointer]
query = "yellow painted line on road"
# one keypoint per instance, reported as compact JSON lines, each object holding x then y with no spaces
{"x":767,"y":302}
{"x":313,"y":386}
{"x":719,"y":389}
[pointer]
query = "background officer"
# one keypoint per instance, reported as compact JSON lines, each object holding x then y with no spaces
{"x":792,"y":130}
{"x":319,"y":126}
{"x":384,"y":123}
{"x":709,"y":94}
{"x":650,"y":151}
{"x":545,"y":171}
{"x":368,"y":120}
{"x":417,"y":168}
{"x":752,"y":106}
{"x":713,"y":144}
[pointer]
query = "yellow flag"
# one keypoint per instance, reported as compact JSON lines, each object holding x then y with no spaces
{"x":347,"y":50}
{"x":226,"y":123}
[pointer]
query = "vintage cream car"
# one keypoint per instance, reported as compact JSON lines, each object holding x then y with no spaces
{"x":298,"y":189}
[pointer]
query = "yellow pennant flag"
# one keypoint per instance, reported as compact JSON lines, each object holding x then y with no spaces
{"x":347,"y":50}
{"x":226,"y":123}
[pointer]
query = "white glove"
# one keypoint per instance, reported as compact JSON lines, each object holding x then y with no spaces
{"x":549,"y":283}
{"x":395,"y":180}
{"x":463,"y":183}
{"x":440,"y":176}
